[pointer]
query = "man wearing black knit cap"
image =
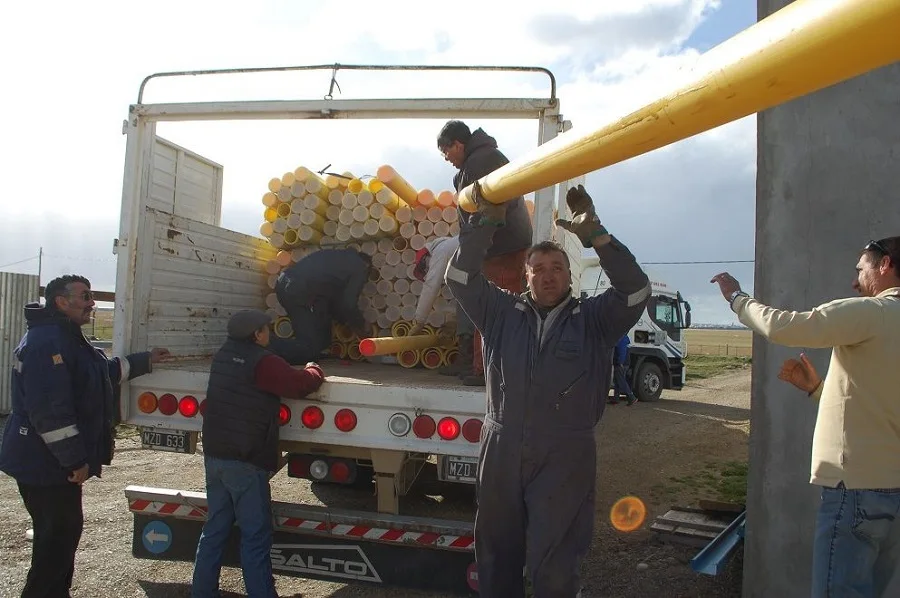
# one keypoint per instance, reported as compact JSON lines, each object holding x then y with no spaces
{"x":240,"y":446}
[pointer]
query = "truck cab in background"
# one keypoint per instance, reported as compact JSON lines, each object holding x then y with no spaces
{"x":658,"y":346}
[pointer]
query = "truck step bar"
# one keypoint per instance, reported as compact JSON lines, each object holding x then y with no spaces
{"x":318,"y":542}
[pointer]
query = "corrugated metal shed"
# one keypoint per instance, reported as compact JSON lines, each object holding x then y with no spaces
{"x":15,"y":291}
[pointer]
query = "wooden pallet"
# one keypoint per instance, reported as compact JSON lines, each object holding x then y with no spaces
{"x":694,"y":527}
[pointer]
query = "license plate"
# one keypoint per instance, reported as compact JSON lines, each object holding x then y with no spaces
{"x":459,"y":469}
{"x":176,"y":441}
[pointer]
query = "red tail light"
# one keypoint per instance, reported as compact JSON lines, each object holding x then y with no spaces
{"x":147,"y":402}
{"x":424,"y":427}
{"x":312,"y":417}
{"x":448,"y":428}
{"x":471,"y":430}
{"x":284,"y":414}
{"x":340,"y":472}
{"x":188,"y":406}
{"x":345,"y":420}
{"x":168,"y":404}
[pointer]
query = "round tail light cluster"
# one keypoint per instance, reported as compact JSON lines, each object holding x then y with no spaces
{"x":188,"y":406}
{"x":345,"y":420}
{"x":448,"y":428}
{"x":169,"y":404}
{"x":284,"y":414}
{"x":424,"y":426}
{"x":312,"y":417}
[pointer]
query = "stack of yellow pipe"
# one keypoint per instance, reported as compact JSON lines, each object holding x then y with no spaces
{"x":383,"y":216}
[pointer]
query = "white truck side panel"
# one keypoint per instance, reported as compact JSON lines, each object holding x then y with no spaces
{"x":197,"y":277}
{"x":184,"y":184}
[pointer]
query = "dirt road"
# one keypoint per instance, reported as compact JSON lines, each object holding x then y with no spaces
{"x":653,"y":451}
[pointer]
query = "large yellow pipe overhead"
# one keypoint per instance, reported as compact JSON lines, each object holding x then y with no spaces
{"x":804,"y":47}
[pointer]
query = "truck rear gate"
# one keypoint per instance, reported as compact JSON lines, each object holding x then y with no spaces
{"x":318,"y":543}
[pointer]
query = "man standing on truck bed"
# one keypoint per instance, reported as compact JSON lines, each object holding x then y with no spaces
{"x":475,"y":154}
{"x":549,"y":360}
{"x":240,"y":450}
{"x":321,"y":287}
{"x":62,"y":428}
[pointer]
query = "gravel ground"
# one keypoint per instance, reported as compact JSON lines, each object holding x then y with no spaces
{"x":640,"y":450}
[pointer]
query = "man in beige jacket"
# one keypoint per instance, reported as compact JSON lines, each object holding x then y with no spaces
{"x":856,"y":444}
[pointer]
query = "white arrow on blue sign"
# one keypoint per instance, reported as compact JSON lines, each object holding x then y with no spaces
{"x":157,"y":537}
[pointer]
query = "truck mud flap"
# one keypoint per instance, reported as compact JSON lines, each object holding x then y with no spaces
{"x":354,"y":547}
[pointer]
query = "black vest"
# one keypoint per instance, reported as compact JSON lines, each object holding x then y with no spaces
{"x":240,"y":421}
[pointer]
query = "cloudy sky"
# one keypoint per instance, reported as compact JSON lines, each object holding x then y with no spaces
{"x":72,"y":69}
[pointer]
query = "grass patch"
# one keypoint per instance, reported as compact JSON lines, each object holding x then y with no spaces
{"x":706,"y":366}
{"x":718,"y":481}
{"x":127,"y":431}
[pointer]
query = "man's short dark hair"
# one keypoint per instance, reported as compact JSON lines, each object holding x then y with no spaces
{"x":547,"y":247}
{"x":59,"y":287}
{"x":889,"y":246}
{"x":453,"y":130}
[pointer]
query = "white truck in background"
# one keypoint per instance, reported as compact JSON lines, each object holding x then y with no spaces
{"x":658,"y":347}
{"x":180,"y":276}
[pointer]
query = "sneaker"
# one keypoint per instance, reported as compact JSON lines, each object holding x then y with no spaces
{"x":631,"y":400}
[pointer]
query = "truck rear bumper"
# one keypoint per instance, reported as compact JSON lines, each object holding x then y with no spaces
{"x":317,"y":542}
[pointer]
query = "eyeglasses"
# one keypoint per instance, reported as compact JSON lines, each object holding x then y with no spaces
{"x":876,"y":246}
{"x":84,"y":295}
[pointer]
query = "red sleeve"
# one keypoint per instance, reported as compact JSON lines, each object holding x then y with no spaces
{"x":275,"y":375}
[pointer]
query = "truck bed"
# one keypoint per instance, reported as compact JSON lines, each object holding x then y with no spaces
{"x":352,"y":372}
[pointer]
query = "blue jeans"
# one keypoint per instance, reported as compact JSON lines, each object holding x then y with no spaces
{"x":620,"y":383}
{"x":235,"y":491}
{"x":857,"y":547}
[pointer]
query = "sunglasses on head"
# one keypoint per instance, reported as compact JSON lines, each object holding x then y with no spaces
{"x":876,"y":246}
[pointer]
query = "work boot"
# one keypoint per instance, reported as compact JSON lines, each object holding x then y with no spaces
{"x":463,"y":364}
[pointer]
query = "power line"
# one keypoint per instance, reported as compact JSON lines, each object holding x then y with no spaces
{"x":27,"y":259}
{"x":710,"y":262}
{"x":83,"y":259}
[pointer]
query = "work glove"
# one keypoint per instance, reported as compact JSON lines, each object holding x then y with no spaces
{"x":585,"y":223}
{"x":489,"y":214}
{"x":416,"y":328}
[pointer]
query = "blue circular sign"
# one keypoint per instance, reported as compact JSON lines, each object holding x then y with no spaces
{"x":157,"y":537}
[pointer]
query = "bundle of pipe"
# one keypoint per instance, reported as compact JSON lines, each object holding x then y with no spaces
{"x":383,"y":217}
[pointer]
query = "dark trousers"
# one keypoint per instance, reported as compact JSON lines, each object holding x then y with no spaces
{"x":58,"y":520}
{"x":535,"y":510}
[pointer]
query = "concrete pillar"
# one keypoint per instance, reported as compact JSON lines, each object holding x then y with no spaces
{"x":827,"y":182}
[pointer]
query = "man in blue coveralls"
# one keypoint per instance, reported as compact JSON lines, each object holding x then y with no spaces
{"x":548,"y":357}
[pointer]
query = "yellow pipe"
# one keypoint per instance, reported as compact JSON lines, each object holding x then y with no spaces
{"x":355,"y":186}
{"x":283,"y":328}
{"x":339,"y":350}
{"x":353,"y":352}
{"x":283,"y":209}
{"x":342,"y":333}
{"x":409,"y":358}
{"x":291,"y":237}
{"x":394,"y":344}
{"x":804,"y":47}
{"x":449,"y":355}
{"x":432,"y":358}
{"x":400,"y":328}
{"x":396,"y":183}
